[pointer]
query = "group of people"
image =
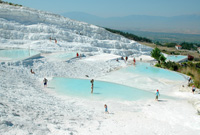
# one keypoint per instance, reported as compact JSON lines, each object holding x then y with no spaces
{"x":78,"y":55}
{"x":126,"y":59}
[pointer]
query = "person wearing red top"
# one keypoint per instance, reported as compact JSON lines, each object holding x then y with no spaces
{"x":134,"y":61}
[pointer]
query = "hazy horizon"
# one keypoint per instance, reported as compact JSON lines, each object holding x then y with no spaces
{"x":187,"y":24}
{"x":113,"y":8}
{"x":180,"y":16}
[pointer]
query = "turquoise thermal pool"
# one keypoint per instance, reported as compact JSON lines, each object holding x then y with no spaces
{"x":102,"y":90}
{"x":145,"y":69}
{"x":176,"y":58}
{"x":17,"y":54}
{"x":105,"y":90}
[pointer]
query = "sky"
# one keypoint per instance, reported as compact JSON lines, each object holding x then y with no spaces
{"x":115,"y":8}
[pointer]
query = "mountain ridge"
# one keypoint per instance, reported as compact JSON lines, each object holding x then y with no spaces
{"x":187,"y":24}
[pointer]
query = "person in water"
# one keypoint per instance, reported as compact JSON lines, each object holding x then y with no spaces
{"x":45,"y":82}
{"x":92,"y":86}
{"x":77,"y":55}
{"x":106,"y":108}
{"x":157,"y":94}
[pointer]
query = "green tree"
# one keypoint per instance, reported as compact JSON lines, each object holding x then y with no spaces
{"x":162,"y":58}
{"x":156,"y":53}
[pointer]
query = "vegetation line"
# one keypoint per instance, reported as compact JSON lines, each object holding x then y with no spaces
{"x":129,"y":36}
{"x":9,"y":3}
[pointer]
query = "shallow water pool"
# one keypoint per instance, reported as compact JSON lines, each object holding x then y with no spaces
{"x":176,"y":58}
{"x":145,"y":69}
{"x":17,"y":54}
{"x":102,"y":90}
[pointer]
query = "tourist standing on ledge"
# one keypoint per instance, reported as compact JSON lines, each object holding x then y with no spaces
{"x":45,"y":82}
{"x":157,"y":94}
{"x":193,"y":89}
{"x":126,"y":58}
{"x":106,"y":108}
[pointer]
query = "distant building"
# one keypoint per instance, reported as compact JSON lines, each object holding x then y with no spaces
{"x":178,"y":47}
{"x":198,"y":49}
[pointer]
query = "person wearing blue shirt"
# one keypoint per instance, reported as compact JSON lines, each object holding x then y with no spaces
{"x":106,"y":108}
{"x":157,"y":94}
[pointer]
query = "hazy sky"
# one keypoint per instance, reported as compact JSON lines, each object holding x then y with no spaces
{"x":108,"y":8}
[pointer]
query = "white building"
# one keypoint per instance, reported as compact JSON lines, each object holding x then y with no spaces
{"x":178,"y":47}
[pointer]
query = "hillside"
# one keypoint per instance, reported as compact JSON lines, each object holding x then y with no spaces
{"x":24,"y":27}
